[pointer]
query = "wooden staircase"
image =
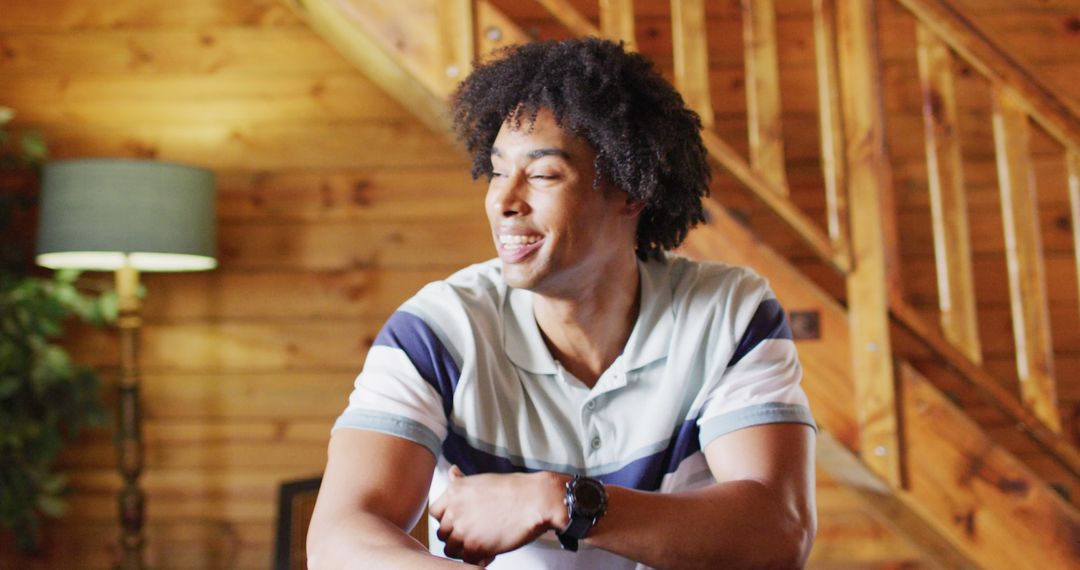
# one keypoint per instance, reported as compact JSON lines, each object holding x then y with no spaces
{"x":931,"y":471}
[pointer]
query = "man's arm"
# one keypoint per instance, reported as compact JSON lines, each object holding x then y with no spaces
{"x":374,"y":488}
{"x":759,"y":514}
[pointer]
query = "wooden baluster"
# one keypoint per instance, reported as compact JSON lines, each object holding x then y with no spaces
{"x":1072,"y":165}
{"x":1023,"y":252}
{"x":617,"y":21}
{"x":763,"y":91}
{"x":692,"y":56}
{"x":458,"y":46}
{"x":948,"y":203}
{"x":872,"y":243}
{"x":832,"y":127}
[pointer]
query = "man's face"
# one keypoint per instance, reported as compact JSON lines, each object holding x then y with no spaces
{"x":554,"y":232}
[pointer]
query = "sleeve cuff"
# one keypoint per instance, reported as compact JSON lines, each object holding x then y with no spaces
{"x":404,"y":428}
{"x":768,"y":413}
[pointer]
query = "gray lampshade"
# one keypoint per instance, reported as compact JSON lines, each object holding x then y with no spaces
{"x":96,"y":212}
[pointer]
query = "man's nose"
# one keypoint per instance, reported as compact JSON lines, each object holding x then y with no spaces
{"x":510,"y":198}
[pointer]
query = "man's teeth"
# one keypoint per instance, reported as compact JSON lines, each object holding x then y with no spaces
{"x":508,"y":239}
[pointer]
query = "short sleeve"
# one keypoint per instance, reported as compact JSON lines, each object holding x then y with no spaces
{"x":406,"y":386}
{"x":761,"y":383}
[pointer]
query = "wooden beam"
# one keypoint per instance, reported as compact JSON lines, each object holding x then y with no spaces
{"x":382,"y":65}
{"x":1072,"y":167}
{"x":948,"y":203}
{"x":998,"y":396}
{"x":804,"y":227}
{"x":495,"y":30}
{"x":980,"y":497}
{"x":888,"y":506}
{"x":976,"y":48}
{"x":458,"y":47}
{"x":873,"y":248}
{"x":568,"y":15}
{"x":691,"y":57}
{"x":831,"y":126}
{"x":1024,"y":257}
{"x":763,"y":91}
{"x":617,"y":21}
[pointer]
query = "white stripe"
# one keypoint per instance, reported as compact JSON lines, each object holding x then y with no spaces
{"x":768,"y":373}
{"x":391,"y":385}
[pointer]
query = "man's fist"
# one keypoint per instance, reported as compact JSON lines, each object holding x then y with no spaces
{"x":481,"y":516}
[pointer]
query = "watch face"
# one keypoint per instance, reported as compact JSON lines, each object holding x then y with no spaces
{"x":588,"y":498}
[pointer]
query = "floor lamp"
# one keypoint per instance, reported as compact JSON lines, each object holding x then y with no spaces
{"x":127,"y":216}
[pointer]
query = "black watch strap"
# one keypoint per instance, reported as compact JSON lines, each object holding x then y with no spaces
{"x":586,"y":502}
{"x":577,"y":530}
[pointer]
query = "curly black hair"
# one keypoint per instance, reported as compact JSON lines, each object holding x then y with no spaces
{"x":647,"y":141}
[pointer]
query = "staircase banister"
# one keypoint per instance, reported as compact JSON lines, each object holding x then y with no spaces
{"x":971,"y":372}
{"x":987,"y":57}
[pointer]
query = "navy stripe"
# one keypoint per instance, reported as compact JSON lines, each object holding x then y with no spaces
{"x":472,"y":461}
{"x":645,"y":473}
{"x":769,"y":321}
{"x":432,"y":360}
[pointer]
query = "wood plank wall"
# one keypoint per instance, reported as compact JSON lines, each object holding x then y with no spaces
{"x":335,"y":205}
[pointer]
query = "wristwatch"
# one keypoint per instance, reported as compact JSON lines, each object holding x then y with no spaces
{"x":586,"y":502}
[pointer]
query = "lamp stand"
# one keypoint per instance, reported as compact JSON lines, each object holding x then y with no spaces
{"x":129,"y":447}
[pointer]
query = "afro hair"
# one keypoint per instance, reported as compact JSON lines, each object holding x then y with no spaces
{"x":647,"y":142}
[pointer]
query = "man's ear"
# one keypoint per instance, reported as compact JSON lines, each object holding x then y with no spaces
{"x":633,"y":207}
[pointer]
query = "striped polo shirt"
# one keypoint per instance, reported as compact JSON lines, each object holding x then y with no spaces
{"x":462,"y":369}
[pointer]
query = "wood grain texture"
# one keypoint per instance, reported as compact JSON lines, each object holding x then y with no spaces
{"x":833,"y":164}
{"x":397,"y":49}
{"x":979,"y":495}
{"x":617,"y":21}
{"x":948,"y":203}
{"x":300,"y":139}
{"x":690,"y":49}
{"x":763,"y":91}
{"x":1024,"y":254}
{"x":1031,"y":95}
{"x":568,"y":15}
{"x":1072,"y":161}
{"x":872,"y":246}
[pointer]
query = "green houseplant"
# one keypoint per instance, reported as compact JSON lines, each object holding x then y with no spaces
{"x":45,"y":398}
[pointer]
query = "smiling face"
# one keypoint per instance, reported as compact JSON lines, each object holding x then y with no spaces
{"x":555,"y":233}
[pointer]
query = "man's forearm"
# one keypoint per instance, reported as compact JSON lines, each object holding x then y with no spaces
{"x":364,"y":541}
{"x":737,"y":524}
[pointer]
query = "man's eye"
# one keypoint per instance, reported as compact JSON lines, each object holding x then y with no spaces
{"x":496,"y":174}
{"x":543,"y":177}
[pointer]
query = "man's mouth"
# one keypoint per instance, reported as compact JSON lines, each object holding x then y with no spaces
{"x":513,"y":240}
{"x":516,"y":247}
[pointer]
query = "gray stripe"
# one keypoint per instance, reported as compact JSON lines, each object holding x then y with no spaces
{"x":769,"y":413}
{"x":371,"y":420}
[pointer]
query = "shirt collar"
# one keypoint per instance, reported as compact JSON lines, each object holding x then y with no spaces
{"x":648,"y":340}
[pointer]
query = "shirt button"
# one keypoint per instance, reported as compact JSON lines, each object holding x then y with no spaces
{"x":591,"y":404}
{"x":596,"y":442}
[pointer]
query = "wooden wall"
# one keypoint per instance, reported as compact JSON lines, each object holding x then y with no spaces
{"x":334,"y":206}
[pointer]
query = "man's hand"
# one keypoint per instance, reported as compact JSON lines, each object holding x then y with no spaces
{"x":481,"y":516}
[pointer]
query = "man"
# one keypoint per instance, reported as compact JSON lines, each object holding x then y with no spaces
{"x":585,"y":400}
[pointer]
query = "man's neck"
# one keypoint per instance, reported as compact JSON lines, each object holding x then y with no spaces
{"x":587,"y":331}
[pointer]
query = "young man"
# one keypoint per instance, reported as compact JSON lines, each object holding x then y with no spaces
{"x":585,"y":400}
